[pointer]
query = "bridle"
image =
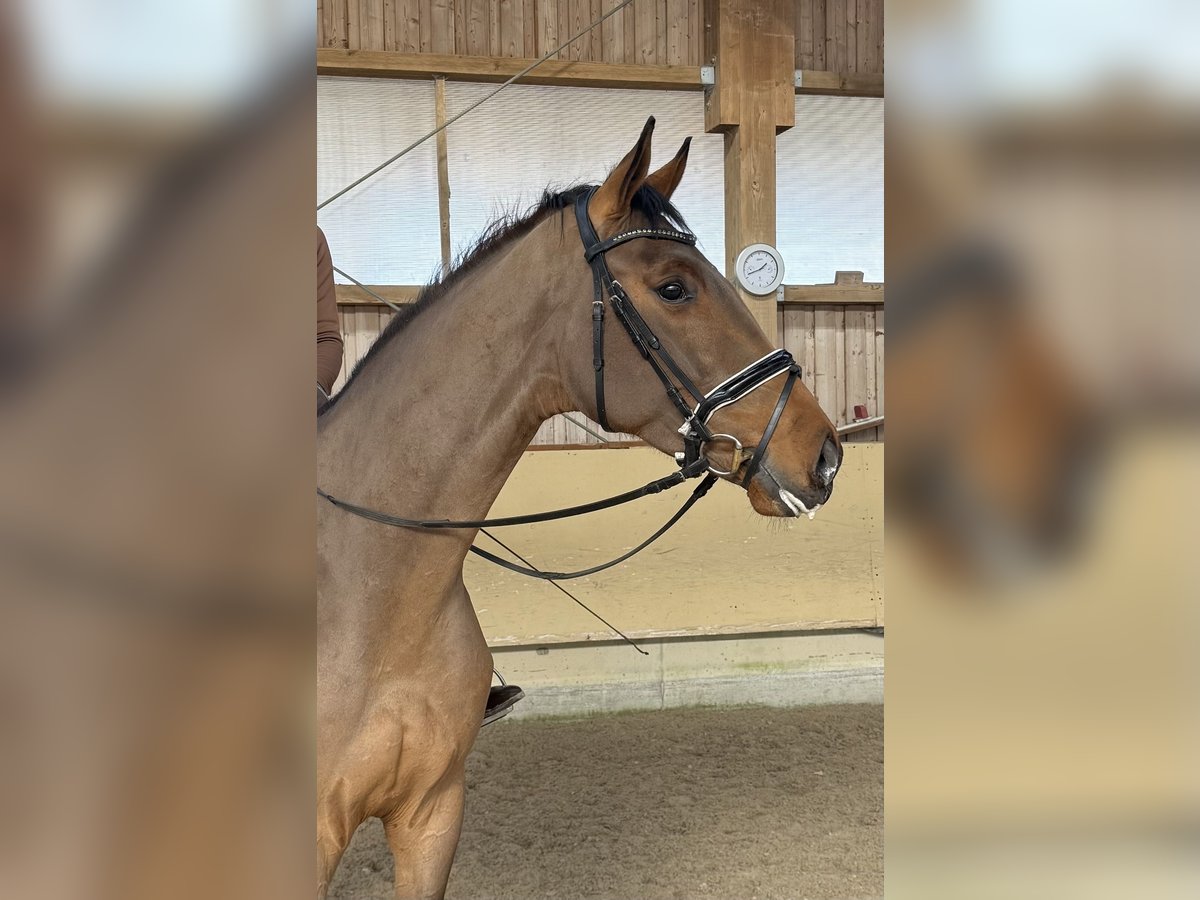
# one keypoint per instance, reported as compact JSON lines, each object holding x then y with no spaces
{"x":695,"y":428}
{"x":695,"y":431}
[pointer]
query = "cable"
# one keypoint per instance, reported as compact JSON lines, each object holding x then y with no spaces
{"x":594,"y":434}
{"x":368,"y":290}
{"x":584,"y":606}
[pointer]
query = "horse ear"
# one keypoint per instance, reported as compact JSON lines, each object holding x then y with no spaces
{"x":612,"y":200}
{"x":666,"y":179}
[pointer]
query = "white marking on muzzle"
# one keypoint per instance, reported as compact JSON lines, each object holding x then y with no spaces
{"x":796,"y":505}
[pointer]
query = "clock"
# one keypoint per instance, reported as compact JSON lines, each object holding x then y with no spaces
{"x":759,"y":269}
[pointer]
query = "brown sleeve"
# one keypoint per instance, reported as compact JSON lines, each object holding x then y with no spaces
{"x":329,"y":329}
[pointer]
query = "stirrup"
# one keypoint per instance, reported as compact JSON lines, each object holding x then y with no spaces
{"x":505,"y":698}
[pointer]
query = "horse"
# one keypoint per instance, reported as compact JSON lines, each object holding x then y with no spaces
{"x":433,"y":420}
{"x":995,"y":457}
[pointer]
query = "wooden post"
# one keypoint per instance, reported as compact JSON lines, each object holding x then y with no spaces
{"x":752,"y":43}
{"x":439,"y":92}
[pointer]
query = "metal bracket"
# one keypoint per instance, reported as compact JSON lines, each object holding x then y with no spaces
{"x":799,"y":78}
{"x":708,"y":75}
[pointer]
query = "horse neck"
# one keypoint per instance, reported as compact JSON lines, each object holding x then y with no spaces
{"x":435,"y":423}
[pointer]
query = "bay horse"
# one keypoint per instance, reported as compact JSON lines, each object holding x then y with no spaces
{"x":431,"y":423}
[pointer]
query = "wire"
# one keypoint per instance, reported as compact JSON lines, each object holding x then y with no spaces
{"x":579,"y":424}
{"x":614,"y":629}
{"x":368,"y":290}
{"x":529,"y":68}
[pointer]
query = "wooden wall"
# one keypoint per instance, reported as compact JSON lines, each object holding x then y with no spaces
{"x":844,"y":36}
{"x":839,"y":346}
{"x":667,"y":32}
{"x":840,"y":36}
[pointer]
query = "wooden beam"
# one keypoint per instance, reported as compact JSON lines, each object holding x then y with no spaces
{"x":443,"y":168}
{"x":845,"y":84}
{"x":352,"y":295}
{"x":847,"y":288}
{"x":494,"y":69}
{"x":843,"y":291}
{"x":754,"y":46}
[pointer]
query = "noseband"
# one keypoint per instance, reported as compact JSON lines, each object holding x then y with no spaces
{"x":695,"y":430}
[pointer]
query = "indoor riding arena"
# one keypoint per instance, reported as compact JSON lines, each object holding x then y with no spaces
{"x":704,"y":718}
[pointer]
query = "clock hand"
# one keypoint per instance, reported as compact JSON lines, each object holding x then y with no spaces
{"x":759,"y":269}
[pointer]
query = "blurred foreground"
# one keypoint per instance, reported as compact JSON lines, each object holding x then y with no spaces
{"x":1043,"y":691}
{"x":156,"y":622}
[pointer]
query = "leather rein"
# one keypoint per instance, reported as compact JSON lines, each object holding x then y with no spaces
{"x":695,"y":431}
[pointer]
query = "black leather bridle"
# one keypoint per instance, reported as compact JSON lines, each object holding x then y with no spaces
{"x":695,"y":431}
{"x":695,"y":428}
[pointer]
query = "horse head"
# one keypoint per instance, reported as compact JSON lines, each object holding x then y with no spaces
{"x":705,"y":328}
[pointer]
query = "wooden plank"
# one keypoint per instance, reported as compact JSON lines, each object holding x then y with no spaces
{"x":676,"y":32}
{"x":491,"y":69}
{"x":335,"y":24}
{"x":547,"y":27}
{"x":820,"y":37}
{"x":825,"y":335}
{"x":408,"y":28}
{"x":593,"y":47}
{"x":443,"y":168}
{"x":808,"y":325}
{"x":530,"y":17}
{"x":696,"y":34}
{"x":835,"y":27}
{"x":371,"y":25}
{"x":855,"y":375}
{"x":629,"y":21}
{"x":460,"y":26}
{"x":612,"y":35}
{"x":646,"y":26}
{"x":478,"y":27}
{"x":442,"y":26}
{"x":804,"y":34}
{"x":839,"y":366}
{"x":425,"y":25}
{"x":872,"y":381}
{"x":390,"y":38}
{"x":864,"y":53}
{"x":512,"y":28}
{"x":879,"y":368}
{"x":841,"y":84}
{"x":580,"y":19}
{"x":353,"y":27}
{"x":851,"y":64}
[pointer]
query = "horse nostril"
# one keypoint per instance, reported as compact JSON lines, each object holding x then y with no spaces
{"x":828,"y":462}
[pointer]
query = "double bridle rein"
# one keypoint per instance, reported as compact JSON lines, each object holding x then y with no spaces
{"x":695,"y":431}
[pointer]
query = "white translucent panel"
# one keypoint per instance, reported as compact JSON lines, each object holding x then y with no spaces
{"x":830,"y":189}
{"x":503,"y":155}
{"x":385,"y":231}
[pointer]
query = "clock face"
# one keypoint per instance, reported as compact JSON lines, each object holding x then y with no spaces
{"x":759,"y":269}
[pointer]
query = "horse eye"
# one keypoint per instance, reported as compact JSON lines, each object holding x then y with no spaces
{"x":673,"y":292}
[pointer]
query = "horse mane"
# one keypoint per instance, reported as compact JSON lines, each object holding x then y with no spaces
{"x":648,"y":202}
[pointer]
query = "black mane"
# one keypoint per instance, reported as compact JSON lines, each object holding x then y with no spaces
{"x":657,"y":209}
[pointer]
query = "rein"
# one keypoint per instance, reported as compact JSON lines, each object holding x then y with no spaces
{"x":695,"y":431}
